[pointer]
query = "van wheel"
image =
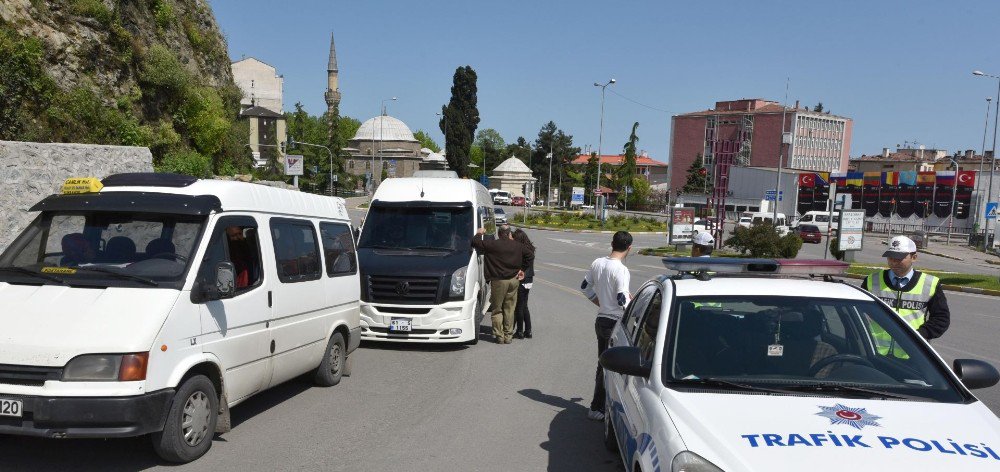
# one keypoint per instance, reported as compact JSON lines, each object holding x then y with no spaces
{"x":477,"y":320}
{"x":331,"y":369}
{"x":190,"y":427}
{"x":610,"y":441}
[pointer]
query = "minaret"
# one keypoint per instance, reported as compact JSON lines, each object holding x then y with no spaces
{"x":332,"y":94}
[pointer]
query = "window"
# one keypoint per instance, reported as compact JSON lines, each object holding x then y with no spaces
{"x":234,"y":240}
{"x":295,"y":250}
{"x":338,"y":249}
{"x":646,"y":341}
{"x":634,"y":311}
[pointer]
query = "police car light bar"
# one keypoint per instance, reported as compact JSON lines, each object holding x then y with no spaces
{"x":737,"y":265}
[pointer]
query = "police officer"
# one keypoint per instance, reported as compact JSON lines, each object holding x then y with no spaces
{"x":702,"y":244}
{"x":915,"y":296}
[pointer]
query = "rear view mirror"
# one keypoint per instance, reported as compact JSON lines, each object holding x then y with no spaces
{"x":225,"y":279}
{"x":975,"y":373}
{"x":625,"y":360}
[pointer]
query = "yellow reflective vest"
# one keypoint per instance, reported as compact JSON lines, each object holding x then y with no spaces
{"x":911,"y":305}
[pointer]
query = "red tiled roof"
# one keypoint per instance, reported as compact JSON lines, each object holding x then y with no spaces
{"x":617,"y":160}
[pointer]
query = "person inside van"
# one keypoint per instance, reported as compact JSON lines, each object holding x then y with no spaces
{"x":241,"y":255}
{"x":76,"y":250}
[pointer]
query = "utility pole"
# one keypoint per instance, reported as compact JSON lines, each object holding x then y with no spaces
{"x":781,"y":155}
{"x":548,"y":189}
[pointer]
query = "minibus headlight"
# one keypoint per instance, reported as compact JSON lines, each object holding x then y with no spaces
{"x":458,"y":282}
{"x":687,"y":461}
{"x":106,"y":367}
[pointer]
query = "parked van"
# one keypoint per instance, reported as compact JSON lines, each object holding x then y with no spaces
{"x":823,"y":220}
{"x":501,"y":197}
{"x":153,"y":303}
{"x":781,"y":224}
{"x":421,"y":281}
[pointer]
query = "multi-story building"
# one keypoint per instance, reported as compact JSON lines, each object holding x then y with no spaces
{"x":653,"y":170}
{"x":749,"y":132}
{"x":260,"y":83}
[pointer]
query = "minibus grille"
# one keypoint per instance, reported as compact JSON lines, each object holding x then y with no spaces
{"x":28,"y":375}
{"x":403,"y":290}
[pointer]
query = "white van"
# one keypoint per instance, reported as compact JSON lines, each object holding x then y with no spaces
{"x":501,"y":197}
{"x":421,"y":281}
{"x":823,"y":220}
{"x":152,"y":303}
{"x":781,"y":224}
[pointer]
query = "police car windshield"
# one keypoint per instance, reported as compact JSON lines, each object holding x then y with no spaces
{"x":104,"y":249}
{"x":412,"y":227}
{"x":790,"y":342}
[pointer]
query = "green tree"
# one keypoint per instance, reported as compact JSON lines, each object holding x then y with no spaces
{"x":697,"y":178}
{"x":460,"y":120}
{"x":551,"y":138}
{"x":490,"y":141}
{"x":625,"y":173}
{"x":426,"y":141}
{"x":475,"y":157}
{"x":520,"y":149}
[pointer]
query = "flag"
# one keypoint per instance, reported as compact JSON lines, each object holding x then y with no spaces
{"x":925,"y":178}
{"x":807,"y":179}
{"x":873,"y":178}
{"x":967,"y":178}
{"x":855,"y":179}
{"x":890,"y":178}
{"x":839,"y":178}
{"x":945,"y":178}
{"x":822,"y":179}
{"x":908,"y":177}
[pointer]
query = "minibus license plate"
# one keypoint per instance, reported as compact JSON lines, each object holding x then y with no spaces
{"x":11,"y":408}
{"x":400,"y":324}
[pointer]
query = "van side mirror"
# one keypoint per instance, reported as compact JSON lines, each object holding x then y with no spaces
{"x":975,"y":373}
{"x":225,"y":279}
{"x":625,"y":360}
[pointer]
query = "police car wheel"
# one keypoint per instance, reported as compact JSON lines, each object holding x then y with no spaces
{"x":331,"y":369}
{"x":610,"y":441}
{"x":190,"y":426}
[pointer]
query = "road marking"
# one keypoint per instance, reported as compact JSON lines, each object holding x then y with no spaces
{"x":967,"y":353}
{"x":559,"y":286}
{"x":565,"y":266}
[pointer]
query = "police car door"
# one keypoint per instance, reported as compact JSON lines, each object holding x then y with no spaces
{"x":614,"y":382}
{"x":640,"y":400}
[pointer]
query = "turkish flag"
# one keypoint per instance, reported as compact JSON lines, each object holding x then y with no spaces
{"x":807,"y":179}
{"x":967,"y":178}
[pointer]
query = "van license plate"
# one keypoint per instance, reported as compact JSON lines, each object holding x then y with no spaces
{"x":400,"y":324}
{"x":11,"y":408}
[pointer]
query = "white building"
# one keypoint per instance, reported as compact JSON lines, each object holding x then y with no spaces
{"x":260,"y":83}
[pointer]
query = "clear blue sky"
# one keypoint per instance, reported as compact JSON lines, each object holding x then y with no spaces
{"x":900,"y":69}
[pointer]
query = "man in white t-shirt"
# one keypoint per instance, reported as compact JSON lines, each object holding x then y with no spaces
{"x":607,"y":286}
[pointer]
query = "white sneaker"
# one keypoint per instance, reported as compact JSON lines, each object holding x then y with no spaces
{"x":595,"y":415}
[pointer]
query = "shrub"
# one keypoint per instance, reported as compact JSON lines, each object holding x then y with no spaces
{"x":789,"y":245}
{"x":186,"y":162}
{"x":546,"y":217}
{"x":164,"y":13}
{"x":92,"y":9}
{"x":757,"y":241}
{"x":834,"y":251}
{"x":565,"y":217}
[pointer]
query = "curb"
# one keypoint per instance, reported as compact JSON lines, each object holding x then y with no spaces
{"x":542,"y":228}
{"x":950,"y":288}
{"x":946,"y":256}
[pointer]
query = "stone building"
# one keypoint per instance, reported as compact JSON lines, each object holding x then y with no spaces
{"x":512,"y":175}
{"x":386,"y":145}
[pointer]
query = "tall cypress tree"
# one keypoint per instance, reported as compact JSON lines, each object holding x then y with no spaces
{"x":459,"y":120}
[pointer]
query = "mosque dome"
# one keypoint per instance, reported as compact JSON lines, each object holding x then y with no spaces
{"x":385,"y":127}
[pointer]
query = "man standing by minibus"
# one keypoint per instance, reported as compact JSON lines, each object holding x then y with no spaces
{"x":505,"y":263}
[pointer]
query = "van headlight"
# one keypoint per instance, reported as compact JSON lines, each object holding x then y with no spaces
{"x":457,"y":289}
{"x":688,"y":461}
{"x":106,"y":367}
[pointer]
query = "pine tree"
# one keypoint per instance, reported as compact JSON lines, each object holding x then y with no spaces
{"x":459,"y":120}
{"x":697,"y":178}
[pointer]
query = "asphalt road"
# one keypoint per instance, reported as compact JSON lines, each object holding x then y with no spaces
{"x":480,"y":408}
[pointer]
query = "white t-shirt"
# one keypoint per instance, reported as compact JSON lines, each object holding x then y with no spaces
{"x":608,"y":281}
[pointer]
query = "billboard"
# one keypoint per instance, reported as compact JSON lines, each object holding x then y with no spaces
{"x":681,"y":225}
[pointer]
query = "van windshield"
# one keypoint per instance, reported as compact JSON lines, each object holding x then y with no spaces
{"x":411,"y":227}
{"x":103,"y":249}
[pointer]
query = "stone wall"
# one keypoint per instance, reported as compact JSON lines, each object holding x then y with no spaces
{"x":32,"y":171}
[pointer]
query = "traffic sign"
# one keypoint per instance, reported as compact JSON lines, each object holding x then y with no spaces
{"x":769,"y":195}
{"x":991,"y":211}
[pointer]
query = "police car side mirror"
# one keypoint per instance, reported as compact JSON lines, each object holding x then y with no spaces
{"x":626,"y":360}
{"x":975,"y":373}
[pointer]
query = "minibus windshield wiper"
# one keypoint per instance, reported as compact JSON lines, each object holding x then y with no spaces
{"x":847,"y":389}
{"x":437,"y":248}
{"x":378,"y":246}
{"x":115,"y":273}
{"x":22,"y":270}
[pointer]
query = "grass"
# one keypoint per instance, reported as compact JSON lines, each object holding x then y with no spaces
{"x":989,"y":282}
{"x":579,"y":220}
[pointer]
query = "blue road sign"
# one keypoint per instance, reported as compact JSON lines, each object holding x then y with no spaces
{"x":769,"y":195}
{"x":991,"y":211}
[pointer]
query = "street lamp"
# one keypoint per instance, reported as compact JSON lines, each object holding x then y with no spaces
{"x":548,"y":188}
{"x":979,"y":176}
{"x":993,"y":158}
{"x":600,"y":137}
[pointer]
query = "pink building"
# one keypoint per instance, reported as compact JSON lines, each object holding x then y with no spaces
{"x":749,"y":131}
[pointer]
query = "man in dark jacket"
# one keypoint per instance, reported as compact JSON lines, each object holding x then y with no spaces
{"x":506,"y":261}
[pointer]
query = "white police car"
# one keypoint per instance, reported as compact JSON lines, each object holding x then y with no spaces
{"x":751,"y":365}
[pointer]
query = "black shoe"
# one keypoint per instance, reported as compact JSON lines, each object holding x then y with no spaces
{"x":497,"y":340}
{"x":527,"y":335}
{"x":518,"y":335}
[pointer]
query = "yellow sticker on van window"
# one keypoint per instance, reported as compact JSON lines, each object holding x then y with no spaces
{"x":58,"y":270}
{"x":82,"y":185}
